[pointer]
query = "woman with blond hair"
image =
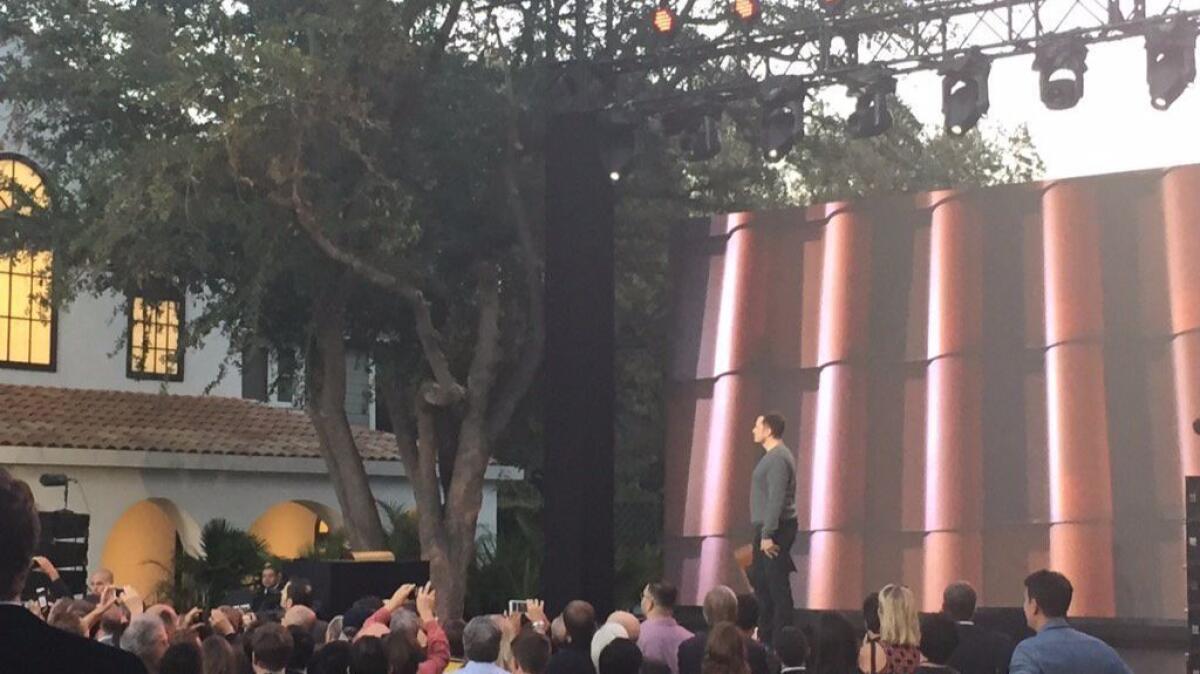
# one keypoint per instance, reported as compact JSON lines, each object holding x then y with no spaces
{"x":897,"y":648}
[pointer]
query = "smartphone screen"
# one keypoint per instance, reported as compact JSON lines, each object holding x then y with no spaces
{"x":517,"y":605}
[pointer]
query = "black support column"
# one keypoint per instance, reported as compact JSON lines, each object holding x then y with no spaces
{"x":579,"y":386}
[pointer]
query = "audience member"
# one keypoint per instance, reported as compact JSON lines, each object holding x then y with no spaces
{"x":332,"y":658}
{"x":1057,"y":648}
{"x":302,"y":647}
{"x":509,"y":625}
{"x":454,"y":637}
{"x":218,"y":656}
{"x":184,"y":657}
{"x":899,"y":630}
{"x":269,"y":596}
{"x":608,"y":633}
{"x":69,"y":623}
{"x":792,"y":649}
{"x":725,"y":650}
{"x":871,"y":656}
{"x":558,"y":633}
{"x":980,"y":651}
{"x":621,"y":656}
{"x":167,"y":616}
{"x":833,"y":649}
{"x":146,"y":637}
{"x":400,"y":655}
{"x":98,"y":581}
{"x":531,"y":653}
{"x":633,"y":627}
{"x":368,"y":656}
{"x":481,"y":646}
{"x":270,"y":648}
{"x":661,"y":634}
{"x":574,"y":657}
{"x":939,"y":638}
{"x":300,"y":616}
{"x":747,"y":615}
{"x":334,"y":631}
{"x":720,"y":605}
{"x":112,"y":624}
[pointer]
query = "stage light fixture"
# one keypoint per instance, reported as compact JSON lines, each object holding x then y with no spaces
{"x":1061,"y":64}
{"x":1170,"y":61}
{"x":871,"y":116}
{"x":618,"y":145}
{"x":746,"y":11}
{"x":782,"y":103}
{"x":663,"y":20}
{"x":965,"y":91}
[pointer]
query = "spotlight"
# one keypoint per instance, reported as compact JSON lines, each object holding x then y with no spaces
{"x":965,"y":91}
{"x":782,"y":101}
{"x":1170,"y":61}
{"x":699,"y":131}
{"x":663,"y":20}
{"x":745,"y":10}
{"x":870,"y":116}
{"x":1061,"y":65}
{"x":618,"y":145}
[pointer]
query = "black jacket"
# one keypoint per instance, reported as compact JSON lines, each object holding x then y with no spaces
{"x":571,"y":660}
{"x":691,"y":655}
{"x":30,"y":646}
{"x":981,"y":651}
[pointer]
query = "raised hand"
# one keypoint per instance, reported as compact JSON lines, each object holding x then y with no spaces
{"x":220,"y":623}
{"x":46,"y":567}
{"x":401,"y":596}
{"x":535,"y":609}
{"x":427,"y":603}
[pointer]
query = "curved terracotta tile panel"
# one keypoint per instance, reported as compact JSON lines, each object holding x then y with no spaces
{"x":845,"y":286}
{"x":1181,"y":211}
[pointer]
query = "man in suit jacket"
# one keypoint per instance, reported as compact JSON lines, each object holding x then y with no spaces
{"x":980,"y":650}
{"x":28,"y":645}
{"x":720,"y":605}
{"x":1058,"y":649}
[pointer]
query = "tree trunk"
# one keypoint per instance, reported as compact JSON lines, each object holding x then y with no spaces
{"x":326,"y":405}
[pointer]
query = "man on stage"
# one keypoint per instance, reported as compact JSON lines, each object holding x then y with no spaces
{"x":773,"y":514}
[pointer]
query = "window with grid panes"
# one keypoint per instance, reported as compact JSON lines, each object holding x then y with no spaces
{"x":155,"y":339}
{"x":27,"y":318}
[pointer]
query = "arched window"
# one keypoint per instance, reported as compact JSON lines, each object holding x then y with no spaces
{"x":27,"y":318}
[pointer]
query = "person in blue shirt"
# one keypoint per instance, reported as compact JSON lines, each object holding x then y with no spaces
{"x":1057,"y":648}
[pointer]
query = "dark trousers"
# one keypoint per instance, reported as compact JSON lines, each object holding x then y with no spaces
{"x":770,"y":578}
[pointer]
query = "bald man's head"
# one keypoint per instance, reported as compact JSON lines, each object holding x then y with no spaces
{"x":625,"y":619}
{"x":580,"y":620}
{"x":301,"y":616}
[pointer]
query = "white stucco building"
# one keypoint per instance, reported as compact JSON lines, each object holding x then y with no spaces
{"x":162,"y":438}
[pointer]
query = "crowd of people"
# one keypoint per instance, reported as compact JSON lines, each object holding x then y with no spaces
{"x":114,"y":630}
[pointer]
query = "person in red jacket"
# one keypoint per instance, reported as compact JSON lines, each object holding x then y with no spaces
{"x":428,"y":637}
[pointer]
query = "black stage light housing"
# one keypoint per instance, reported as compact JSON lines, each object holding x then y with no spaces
{"x":965,"y":91}
{"x":618,"y":144}
{"x":871,"y":116}
{"x":781,"y":99}
{"x":1170,"y":61}
{"x":1061,"y":64}
{"x":698,"y":129}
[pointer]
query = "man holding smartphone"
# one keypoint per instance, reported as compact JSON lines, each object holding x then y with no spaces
{"x":28,"y":645}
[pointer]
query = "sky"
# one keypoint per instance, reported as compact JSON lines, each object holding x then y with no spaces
{"x":1112,"y":129}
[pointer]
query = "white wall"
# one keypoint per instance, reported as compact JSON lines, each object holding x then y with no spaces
{"x":236,"y":488}
{"x":89,"y":332}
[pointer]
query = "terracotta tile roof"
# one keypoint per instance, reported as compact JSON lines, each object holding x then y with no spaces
{"x":62,"y":417}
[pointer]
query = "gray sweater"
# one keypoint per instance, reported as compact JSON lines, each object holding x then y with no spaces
{"x":773,"y":490}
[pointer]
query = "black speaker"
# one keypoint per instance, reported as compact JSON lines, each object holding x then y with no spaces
{"x":338,"y":584}
{"x":64,"y":541}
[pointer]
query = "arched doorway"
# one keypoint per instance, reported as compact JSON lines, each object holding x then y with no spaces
{"x":291,"y":527}
{"x":140,"y":549}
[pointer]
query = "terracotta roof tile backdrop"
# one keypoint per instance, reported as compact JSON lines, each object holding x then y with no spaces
{"x":977,"y":383}
{"x":59,"y":417}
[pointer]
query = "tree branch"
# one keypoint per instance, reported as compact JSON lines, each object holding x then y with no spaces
{"x":448,"y":389}
{"x":442,"y":37}
{"x":517,"y":385}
